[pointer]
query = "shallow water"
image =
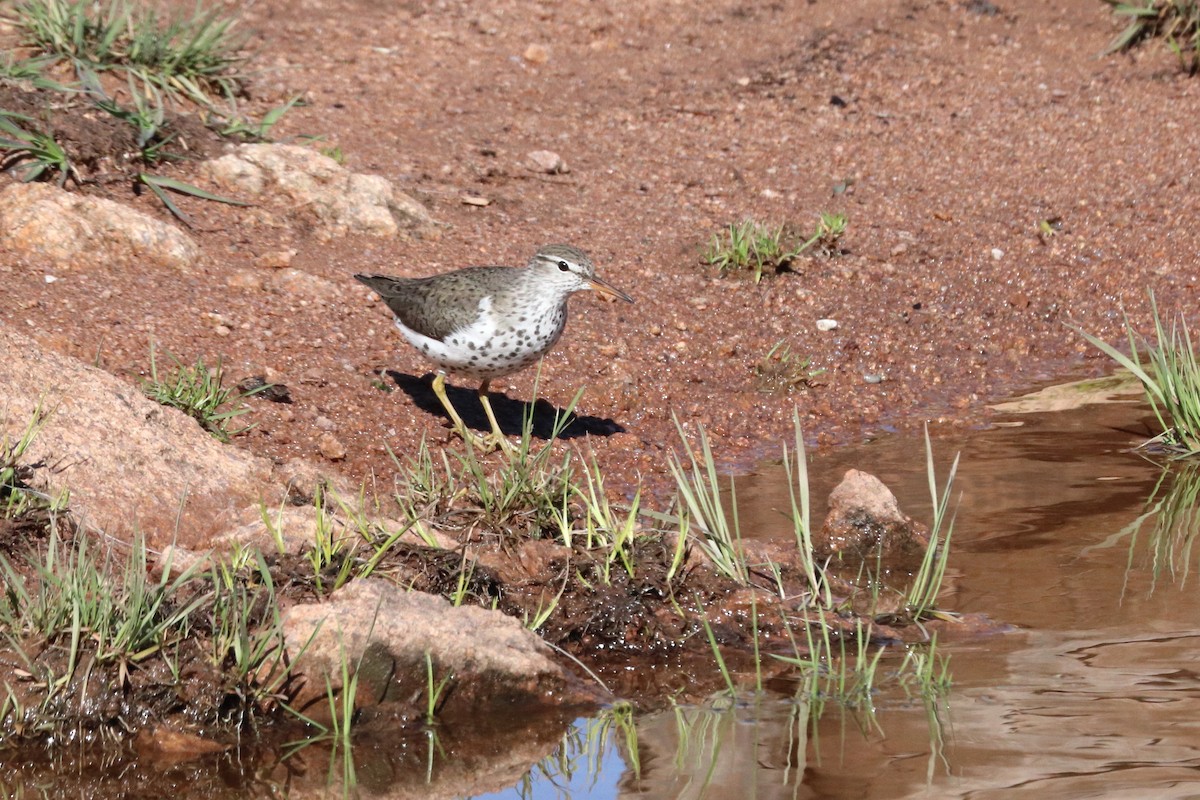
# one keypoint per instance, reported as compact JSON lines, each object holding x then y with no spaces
{"x":1096,"y":693}
{"x":1093,"y":693}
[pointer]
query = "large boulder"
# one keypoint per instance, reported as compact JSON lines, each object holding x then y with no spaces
{"x":384,"y":634}
{"x":129,"y":464}
{"x":76,"y":231}
{"x":341,"y":201}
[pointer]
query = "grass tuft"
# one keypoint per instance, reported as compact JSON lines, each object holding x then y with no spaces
{"x":1175,"y":21}
{"x":198,"y":392}
{"x":31,"y":152}
{"x":782,"y":370}
{"x":699,"y":489}
{"x":927,"y":583}
{"x":761,"y":249}
{"x":185,"y":57}
{"x":1170,"y":375}
{"x":132,"y":49}
{"x":17,"y":498}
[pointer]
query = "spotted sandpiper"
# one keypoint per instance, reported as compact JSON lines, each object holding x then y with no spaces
{"x":487,"y":322}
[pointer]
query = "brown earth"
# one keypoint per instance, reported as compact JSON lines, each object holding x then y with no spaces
{"x":945,"y":131}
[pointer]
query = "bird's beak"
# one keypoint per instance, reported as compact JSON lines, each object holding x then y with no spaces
{"x":608,"y":290}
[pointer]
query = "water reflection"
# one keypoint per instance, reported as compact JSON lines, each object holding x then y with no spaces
{"x":1062,"y":531}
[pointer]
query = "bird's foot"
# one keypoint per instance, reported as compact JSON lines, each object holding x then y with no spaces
{"x":487,"y":443}
{"x":497,"y":440}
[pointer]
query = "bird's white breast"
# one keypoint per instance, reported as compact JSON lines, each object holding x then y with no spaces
{"x":493,"y":345}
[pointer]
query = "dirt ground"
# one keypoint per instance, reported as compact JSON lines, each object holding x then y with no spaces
{"x":945,"y":131}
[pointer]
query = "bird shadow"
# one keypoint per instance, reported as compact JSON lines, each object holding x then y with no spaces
{"x":510,"y":414}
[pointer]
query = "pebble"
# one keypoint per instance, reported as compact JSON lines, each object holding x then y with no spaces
{"x":826,"y":324}
{"x":331,"y":447}
{"x":873,"y":377}
{"x":547,"y":161}
{"x":276,"y":259}
{"x":536,"y":54}
{"x":325,"y":423}
{"x":245,"y":279}
{"x":997,"y":253}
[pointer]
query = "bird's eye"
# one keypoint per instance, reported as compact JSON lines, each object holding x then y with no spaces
{"x":564,"y":266}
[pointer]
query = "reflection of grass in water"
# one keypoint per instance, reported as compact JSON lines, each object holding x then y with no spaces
{"x":710,"y":737}
{"x":581,"y":755}
{"x":1172,"y":505}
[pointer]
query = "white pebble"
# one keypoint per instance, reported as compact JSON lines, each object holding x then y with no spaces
{"x":826,"y":324}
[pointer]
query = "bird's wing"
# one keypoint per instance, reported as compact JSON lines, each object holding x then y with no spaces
{"x":439,"y":305}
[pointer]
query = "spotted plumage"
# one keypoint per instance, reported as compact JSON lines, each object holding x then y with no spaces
{"x":486,"y":322}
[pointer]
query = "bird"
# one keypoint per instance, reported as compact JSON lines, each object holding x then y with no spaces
{"x":482,"y":323}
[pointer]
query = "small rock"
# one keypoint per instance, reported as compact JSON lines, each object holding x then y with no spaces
{"x":245,"y":279}
{"x":997,"y":253}
{"x":164,"y":740}
{"x":486,"y":24}
{"x":331,"y":447}
{"x":826,"y":324}
{"x":325,"y":423}
{"x":302,"y":284}
{"x":273,"y":391}
{"x":547,"y":161}
{"x":536,"y":54}
{"x":865,"y":519}
{"x":276,"y":259}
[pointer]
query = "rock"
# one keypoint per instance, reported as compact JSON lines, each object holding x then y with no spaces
{"x":304,"y":479}
{"x":131,"y":465}
{"x":547,"y":161}
{"x":343,"y":201}
{"x":536,"y":54}
{"x":864,"y":519}
{"x":827,"y":324}
{"x":71,"y":229}
{"x":331,"y":447}
{"x":162,"y":739}
{"x":303,"y":284}
{"x":246,"y":279}
{"x":276,"y":259}
{"x":493,"y":663}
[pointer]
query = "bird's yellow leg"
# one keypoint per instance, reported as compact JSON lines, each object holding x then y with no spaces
{"x":439,"y":390}
{"x":497,"y":439}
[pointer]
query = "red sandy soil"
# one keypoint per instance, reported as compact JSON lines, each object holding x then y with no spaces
{"x":953,"y":128}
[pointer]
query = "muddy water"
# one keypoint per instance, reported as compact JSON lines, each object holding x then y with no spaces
{"x":1095,"y":694}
